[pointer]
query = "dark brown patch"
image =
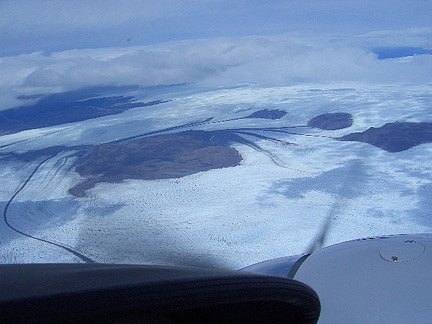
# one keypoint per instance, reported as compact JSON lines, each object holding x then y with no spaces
{"x":155,"y":157}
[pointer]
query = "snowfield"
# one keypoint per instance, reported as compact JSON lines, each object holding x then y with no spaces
{"x":271,"y":205}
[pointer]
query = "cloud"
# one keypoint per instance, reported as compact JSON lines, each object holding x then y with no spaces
{"x":277,"y":60}
{"x":421,"y":37}
{"x":327,"y":63}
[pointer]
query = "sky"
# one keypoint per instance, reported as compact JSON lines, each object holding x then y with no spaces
{"x":51,"y":25}
{"x":51,"y":46}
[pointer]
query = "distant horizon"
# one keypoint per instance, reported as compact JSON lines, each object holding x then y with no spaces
{"x":58,"y":46}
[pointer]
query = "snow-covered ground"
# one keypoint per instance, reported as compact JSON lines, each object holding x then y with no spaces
{"x":229,"y":217}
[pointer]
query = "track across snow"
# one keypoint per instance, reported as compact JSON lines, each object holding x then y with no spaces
{"x":8,"y":224}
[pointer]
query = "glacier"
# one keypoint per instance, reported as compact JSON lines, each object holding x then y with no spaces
{"x":272,"y":204}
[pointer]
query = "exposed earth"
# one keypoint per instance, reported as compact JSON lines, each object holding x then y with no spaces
{"x":331,"y":121}
{"x":155,"y":157}
{"x":394,"y":137}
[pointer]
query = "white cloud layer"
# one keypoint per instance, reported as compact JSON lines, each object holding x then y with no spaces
{"x":53,"y":45}
{"x":277,"y":60}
